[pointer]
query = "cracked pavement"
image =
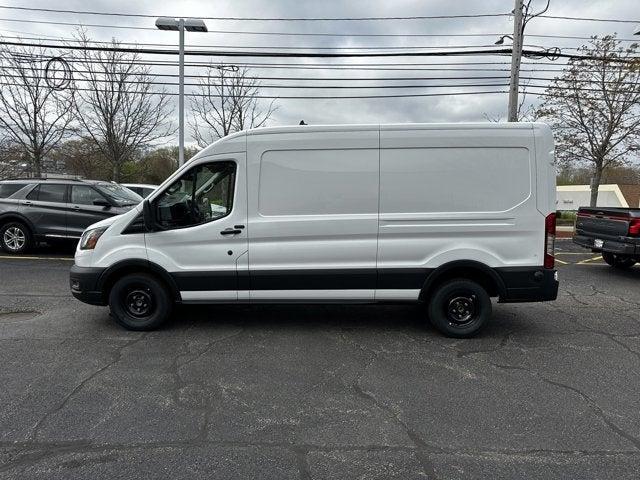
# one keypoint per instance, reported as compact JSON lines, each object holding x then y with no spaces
{"x":312,"y":392}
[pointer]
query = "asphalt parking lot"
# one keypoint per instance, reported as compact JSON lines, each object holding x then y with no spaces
{"x":314,"y":392}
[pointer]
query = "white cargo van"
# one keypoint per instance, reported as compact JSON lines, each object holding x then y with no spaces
{"x":446,"y":214}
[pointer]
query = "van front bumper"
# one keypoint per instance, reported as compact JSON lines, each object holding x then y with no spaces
{"x":84,"y":284}
{"x":528,"y":284}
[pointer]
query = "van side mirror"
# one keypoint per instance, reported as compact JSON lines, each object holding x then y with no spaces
{"x":102,"y":203}
{"x":148,"y":216}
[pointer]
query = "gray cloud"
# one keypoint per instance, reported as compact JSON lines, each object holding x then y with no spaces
{"x":427,"y":109}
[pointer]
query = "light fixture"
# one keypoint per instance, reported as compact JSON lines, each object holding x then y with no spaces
{"x":500,"y":41}
{"x":190,"y":24}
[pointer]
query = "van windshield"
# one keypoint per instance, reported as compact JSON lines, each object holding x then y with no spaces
{"x":119,"y":194}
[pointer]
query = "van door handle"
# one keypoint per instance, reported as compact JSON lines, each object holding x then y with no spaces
{"x":230,"y":231}
{"x":28,"y":203}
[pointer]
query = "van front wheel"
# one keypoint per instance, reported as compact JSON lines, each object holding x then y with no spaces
{"x":459,"y":308}
{"x":140,"y":302}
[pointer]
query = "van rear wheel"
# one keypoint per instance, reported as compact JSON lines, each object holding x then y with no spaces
{"x":140,"y":302}
{"x":459,"y":308}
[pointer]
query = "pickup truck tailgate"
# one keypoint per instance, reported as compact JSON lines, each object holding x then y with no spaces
{"x":602,"y":225}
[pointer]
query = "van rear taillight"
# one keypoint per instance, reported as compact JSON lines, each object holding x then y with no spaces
{"x":634,"y":227}
{"x":549,"y":240}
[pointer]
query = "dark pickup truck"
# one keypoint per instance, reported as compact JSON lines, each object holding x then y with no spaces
{"x":613,"y":231}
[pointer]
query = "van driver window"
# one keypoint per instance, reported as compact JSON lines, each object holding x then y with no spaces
{"x":201,"y":195}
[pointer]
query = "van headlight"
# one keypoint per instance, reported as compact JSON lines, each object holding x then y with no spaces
{"x":90,"y":238}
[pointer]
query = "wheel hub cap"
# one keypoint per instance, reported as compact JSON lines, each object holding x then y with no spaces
{"x":461,"y":309}
{"x":139,"y":303}
{"x":14,"y":238}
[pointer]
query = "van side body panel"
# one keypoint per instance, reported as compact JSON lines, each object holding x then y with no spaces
{"x":359,"y":214}
{"x":451,"y":194}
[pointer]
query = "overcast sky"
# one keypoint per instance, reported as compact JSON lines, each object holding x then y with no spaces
{"x":425,"y":109}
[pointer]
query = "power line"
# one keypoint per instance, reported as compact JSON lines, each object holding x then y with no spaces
{"x":260,"y":47}
{"x":319,"y":34}
{"x":310,"y":97}
{"x":281,"y":47}
{"x":338,"y":97}
{"x":588,"y":19}
{"x":341,"y":79}
{"x":219,"y":53}
{"x":264,"y":19}
{"x":319,"y":19}
{"x":451,"y":66}
{"x":584,"y":83}
{"x":271,"y":86}
{"x":75,"y":24}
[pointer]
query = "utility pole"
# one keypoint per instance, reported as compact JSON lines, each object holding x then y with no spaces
{"x":516,"y":56}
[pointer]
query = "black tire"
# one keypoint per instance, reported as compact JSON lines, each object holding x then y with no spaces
{"x":15,"y":237}
{"x":459,"y":308}
{"x":140,"y":302}
{"x":618,"y":261}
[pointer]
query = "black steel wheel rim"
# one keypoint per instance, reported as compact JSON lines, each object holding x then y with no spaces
{"x":138,"y":302}
{"x":461,"y":308}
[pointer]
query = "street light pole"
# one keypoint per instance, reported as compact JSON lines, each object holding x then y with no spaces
{"x":181,"y":24}
{"x":516,"y":56}
{"x":181,"y":95}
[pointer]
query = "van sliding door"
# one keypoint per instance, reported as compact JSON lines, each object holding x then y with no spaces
{"x":313,"y":215}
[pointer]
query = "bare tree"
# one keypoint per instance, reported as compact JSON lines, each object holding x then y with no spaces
{"x":225,"y":102}
{"x":118,"y":107}
{"x":594,"y":108}
{"x":525,"y":113}
{"x":32,"y":115}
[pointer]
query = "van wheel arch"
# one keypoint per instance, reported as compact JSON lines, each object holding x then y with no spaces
{"x":464,"y":269}
{"x":117,"y":271}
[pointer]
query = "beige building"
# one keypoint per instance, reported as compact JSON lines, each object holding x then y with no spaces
{"x":571,"y":197}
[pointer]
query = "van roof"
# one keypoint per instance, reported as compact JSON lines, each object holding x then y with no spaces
{"x":230,"y":142}
{"x":391,"y":126}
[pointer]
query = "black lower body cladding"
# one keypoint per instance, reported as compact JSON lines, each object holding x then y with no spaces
{"x":528,"y":284}
{"x":514,"y":284}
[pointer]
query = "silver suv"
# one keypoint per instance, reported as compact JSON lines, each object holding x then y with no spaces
{"x":33,"y":210}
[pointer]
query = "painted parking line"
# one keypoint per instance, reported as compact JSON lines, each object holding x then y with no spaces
{"x":561,"y":262}
{"x":573,"y":253}
{"x":22,"y":257}
{"x":589,"y":260}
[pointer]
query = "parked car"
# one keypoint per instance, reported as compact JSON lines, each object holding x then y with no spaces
{"x":142,"y":189}
{"x":614,"y":232}
{"x":449,"y":215}
{"x":33,"y":210}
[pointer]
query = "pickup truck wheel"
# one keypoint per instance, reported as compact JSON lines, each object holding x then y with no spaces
{"x":140,"y":302}
{"x":618,"y":261}
{"x":15,"y":237}
{"x":460,"y":308}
